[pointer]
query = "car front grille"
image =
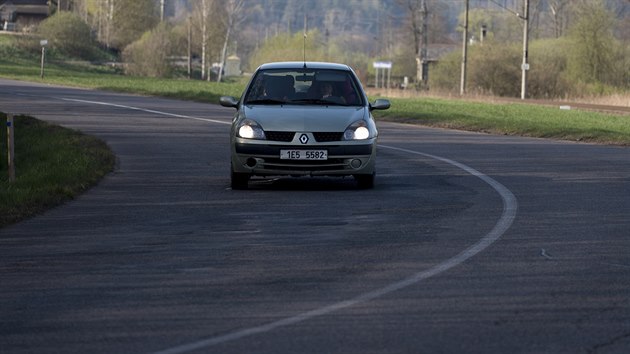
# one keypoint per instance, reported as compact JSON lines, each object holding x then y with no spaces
{"x":322,"y":137}
{"x":280,"y":136}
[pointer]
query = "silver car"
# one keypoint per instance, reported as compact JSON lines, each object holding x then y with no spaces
{"x":303,"y":119}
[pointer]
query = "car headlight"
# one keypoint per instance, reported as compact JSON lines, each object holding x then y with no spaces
{"x":357,"y":131}
{"x":249,"y":129}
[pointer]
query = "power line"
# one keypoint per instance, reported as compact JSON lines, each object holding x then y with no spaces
{"x":506,"y":8}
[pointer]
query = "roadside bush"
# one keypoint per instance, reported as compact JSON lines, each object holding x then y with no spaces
{"x":495,"y":69}
{"x":131,"y":20}
{"x":68,"y":35}
{"x":149,"y":56}
{"x":547,"y":76}
{"x":17,"y":48}
{"x":446,"y":74}
{"x":290,"y":47}
{"x":492,"y":69}
{"x":592,"y":45}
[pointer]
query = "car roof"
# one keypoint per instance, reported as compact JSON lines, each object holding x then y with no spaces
{"x":302,"y":64}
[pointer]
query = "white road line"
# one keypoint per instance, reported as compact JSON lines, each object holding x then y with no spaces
{"x":510,"y":206}
{"x":145,"y":110}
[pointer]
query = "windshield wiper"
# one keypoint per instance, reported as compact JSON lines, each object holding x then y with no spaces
{"x":266,"y":101}
{"x":319,"y":101}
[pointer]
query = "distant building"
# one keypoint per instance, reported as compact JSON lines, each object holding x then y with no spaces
{"x":20,"y":15}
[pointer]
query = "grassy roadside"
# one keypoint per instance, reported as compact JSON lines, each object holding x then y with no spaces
{"x":53,"y":165}
{"x":512,"y":119}
{"x":497,"y":118}
{"x":103,"y":78}
{"x":56,"y":164}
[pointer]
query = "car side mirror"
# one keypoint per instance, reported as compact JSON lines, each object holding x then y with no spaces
{"x":228,"y":101}
{"x":380,"y":104}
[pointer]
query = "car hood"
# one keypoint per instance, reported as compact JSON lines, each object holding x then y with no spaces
{"x":304,"y":118}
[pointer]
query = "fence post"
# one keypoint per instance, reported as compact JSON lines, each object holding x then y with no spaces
{"x":41,"y":72}
{"x":11,"y":147}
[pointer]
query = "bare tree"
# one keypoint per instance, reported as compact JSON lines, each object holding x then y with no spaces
{"x":110,"y":20}
{"x":558,"y":10}
{"x":234,"y":16}
{"x":81,"y":7}
{"x":104,"y":17}
{"x":205,"y":29}
{"x":200,"y":17}
{"x":427,"y":24}
{"x":416,"y":10}
{"x":205,"y":8}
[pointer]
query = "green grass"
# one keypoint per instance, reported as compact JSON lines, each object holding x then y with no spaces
{"x":106,"y":79}
{"x":53,"y":165}
{"x":497,"y":118}
{"x":19,"y":64}
{"x":512,"y":119}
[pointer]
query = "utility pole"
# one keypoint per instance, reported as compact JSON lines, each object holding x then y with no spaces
{"x":162,"y":10}
{"x":462,"y":82}
{"x":425,"y":45}
{"x":11,"y":146}
{"x":525,"y":65}
{"x":189,"y":47}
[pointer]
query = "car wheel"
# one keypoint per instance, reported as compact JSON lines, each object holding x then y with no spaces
{"x":365,"y":181}
{"x":239,"y":180}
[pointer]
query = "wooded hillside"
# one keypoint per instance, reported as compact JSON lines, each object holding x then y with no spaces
{"x":585,"y":42}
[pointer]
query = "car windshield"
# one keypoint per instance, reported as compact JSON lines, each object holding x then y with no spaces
{"x":304,"y":86}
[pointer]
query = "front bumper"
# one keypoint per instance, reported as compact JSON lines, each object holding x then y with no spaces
{"x":343,"y":160}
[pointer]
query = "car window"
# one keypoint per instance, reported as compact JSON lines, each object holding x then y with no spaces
{"x":305,"y":87}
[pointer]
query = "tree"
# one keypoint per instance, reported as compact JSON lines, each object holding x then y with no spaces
{"x":558,"y":10}
{"x":288,"y":47}
{"x":102,"y":16}
{"x":501,"y":25}
{"x":417,"y":21}
{"x":494,"y":69}
{"x":547,"y":78}
{"x":427,"y":22}
{"x":149,"y":55}
{"x":234,"y":15}
{"x":593,"y":44}
{"x":130,"y":19}
{"x":203,"y":13}
{"x":69,"y":35}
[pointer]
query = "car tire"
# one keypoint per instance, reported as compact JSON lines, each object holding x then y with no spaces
{"x":365,"y":181}
{"x":239,"y":180}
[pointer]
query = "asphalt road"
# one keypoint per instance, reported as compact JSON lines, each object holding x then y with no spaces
{"x":470,"y":243}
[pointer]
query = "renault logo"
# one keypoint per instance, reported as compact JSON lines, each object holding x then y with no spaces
{"x":304,"y":138}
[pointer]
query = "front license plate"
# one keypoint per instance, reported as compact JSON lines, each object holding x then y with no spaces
{"x":304,"y":154}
